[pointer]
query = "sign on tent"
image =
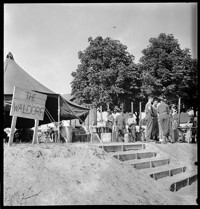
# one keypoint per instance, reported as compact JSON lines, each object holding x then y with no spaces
{"x":28,"y":104}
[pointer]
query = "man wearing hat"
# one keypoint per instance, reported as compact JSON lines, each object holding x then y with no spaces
{"x":131,"y":122}
{"x":120,"y":127}
{"x":163,"y":117}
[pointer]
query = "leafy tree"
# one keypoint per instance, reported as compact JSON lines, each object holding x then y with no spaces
{"x":167,"y":69}
{"x":107,"y":74}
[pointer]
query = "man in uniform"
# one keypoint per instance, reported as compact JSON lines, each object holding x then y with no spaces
{"x":154,"y":114}
{"x":149,"y":119}
{"x":163,"y":117}
{"x":114,"y":131}
{"x":120,"y":126}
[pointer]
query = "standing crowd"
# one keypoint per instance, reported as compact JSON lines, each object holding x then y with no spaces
{"x":161,"y":122}
{"x":158,"y":120}
{"x":119,"y":126}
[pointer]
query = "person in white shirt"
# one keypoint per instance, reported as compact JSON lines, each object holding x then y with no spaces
{"x":115,"y":114}
{"x":131,"y":122}
{"x":109,"y":121}
{"x":159,"y":127}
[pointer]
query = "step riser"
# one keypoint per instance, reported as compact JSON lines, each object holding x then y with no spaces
{"x":150,"y":164}
{"x":183,"y":183}
{"x":177,"y":171}
{"x":160,"y":162}
{"x":113,"y":148}
{"x":132,"y":156}
{"x":146,"y":155}
{"x":167,"y":173}
{"x":117,"y":148}
{"x":160,"y":175}
{"x":133,"y":147}
{"x":142,"y":165}
{"x":192,"y":179}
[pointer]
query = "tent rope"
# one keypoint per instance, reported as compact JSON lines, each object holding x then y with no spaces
{"x":53,"y":121}
{"x":8,"y":103}
{"x":49,"y":115}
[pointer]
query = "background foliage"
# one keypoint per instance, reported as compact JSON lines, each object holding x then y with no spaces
{"x":108,"y":75}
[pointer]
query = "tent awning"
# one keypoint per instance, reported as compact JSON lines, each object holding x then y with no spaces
{"x":14,"y":75}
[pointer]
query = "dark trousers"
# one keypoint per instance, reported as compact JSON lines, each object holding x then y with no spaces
{"x":155,"y":129}
{"x":149,"y":127}
{"x":164,"y":122}
{"x":119,"y":135}
{"x":132,"y":133}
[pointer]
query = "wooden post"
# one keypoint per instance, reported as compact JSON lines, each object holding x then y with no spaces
{"x":94,"y":112}
{"x":12,"y":131}
{"x":179,"y":110}
{"x":35,"y":134}
{"x":131,"y":107}
{"x":140,"y":116}
{"x":108,"y":106}
{"x":101,"y":113}
{"x":88,"y":122}
{"x":58,"y":118}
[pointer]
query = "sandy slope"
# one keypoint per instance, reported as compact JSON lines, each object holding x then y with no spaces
{"x":77,"y":174}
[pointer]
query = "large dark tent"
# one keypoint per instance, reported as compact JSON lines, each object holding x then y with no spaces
{"x":14,"y":75}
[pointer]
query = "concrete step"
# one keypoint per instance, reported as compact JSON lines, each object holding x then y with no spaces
{"x":164,"y":171}
{"x":176,"y":182}
{"x":133,"y":154}
{"x":120,"y":146}
{"x":148,"y":163}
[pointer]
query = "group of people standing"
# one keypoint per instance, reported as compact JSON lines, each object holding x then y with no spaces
{"x":161,"y":121}
{"x":118,"y":125}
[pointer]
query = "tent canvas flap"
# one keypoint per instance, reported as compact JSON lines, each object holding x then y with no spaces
{"x":14,"y":75}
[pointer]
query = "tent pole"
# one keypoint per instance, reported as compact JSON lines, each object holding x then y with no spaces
{"x":140,"y":115}
{"x":58,"y":118}
{"x":131,"y":107}
{"x":179,"y":110}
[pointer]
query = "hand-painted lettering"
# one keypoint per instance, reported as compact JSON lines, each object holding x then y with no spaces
{"x":30,"y":96}
{"x":41,"y":110}
{"x":15,"y":107}
{"x":28,"y":109}
{"x":20,"y":107}
{"x":33,"y":112}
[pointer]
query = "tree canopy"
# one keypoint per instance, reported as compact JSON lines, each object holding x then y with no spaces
{"x":169,"y":70}
{"x":107,"y":74}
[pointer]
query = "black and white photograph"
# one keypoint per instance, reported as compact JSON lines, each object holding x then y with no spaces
{"x":100,"y":104}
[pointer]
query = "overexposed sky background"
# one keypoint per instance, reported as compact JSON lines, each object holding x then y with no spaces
{"x":45,"y":38}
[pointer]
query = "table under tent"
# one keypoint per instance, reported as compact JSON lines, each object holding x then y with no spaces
{"x":57,"y":108}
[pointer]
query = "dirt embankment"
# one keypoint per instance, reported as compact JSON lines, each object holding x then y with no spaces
{"x":76,"y":174}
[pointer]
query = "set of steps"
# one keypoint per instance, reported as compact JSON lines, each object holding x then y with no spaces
{"x":158,"y":167}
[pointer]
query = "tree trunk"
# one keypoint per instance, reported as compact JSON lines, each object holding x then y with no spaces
{"x":194,"y":109}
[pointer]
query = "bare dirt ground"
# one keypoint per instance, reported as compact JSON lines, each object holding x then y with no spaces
{"x":83,"y":174}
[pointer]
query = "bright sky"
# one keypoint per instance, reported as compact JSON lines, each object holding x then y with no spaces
{"x":45,"y":38}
